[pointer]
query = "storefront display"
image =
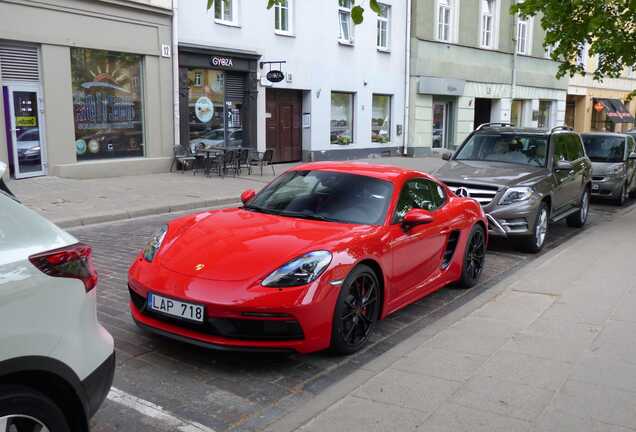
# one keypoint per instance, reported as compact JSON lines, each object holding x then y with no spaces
{"x":381,"y":119}
{"x":107,"y":104}
{"x":341,"y":118}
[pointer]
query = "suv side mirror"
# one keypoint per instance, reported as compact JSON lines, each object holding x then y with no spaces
{"x":247,"y":196}
{"x":632,"y":156}
{"x":563,"y":165}
{"x":416,"y":217}
{"x":447,"y":156}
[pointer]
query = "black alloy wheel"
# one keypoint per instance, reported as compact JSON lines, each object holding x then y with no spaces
{"x":26,"y":410}
{"x":623,"y":197}
{"x":357,"y":310}
{"x":474,"y":257}
{"x":578,"y":219}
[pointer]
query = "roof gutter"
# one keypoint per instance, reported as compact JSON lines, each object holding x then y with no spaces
{"x":175,"y":72}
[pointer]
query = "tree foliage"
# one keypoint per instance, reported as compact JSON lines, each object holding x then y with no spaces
{"x":606,"y":27}
{"x":357,"y":12}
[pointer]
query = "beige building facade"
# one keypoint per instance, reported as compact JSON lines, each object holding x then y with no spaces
{"x":86,"y":87}
{"x":600,"y":105}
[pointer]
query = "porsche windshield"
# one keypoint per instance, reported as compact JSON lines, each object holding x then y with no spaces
{"x":327,"y":196}
{"x":604,"y":148}
{"x":508,"y":148}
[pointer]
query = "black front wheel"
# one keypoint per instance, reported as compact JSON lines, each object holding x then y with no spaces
{"x":474,"y":257}
{"x":357,"y":310}
{"x":26,"y":410}
{"x":578,"y":219}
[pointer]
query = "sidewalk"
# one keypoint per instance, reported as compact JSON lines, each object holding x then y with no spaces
{"x":70,"y":202}
{"x":552,"y":348}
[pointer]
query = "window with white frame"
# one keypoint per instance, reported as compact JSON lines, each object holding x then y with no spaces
{"x":384,"y":27}
{"x":582,"y":56}
{"x":344,"y":19}
{"x":445,"y":20}
{"x":225,"y":11}
{"x":524,"y":37}
{"x":488,"y":23}
{"x":283,"y":17}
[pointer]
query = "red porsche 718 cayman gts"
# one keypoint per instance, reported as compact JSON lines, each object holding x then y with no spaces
{"x":312,"y":261}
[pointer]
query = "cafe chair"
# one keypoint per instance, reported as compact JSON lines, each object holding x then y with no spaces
{"x":262,"y":159}
{"x":184,"y":158}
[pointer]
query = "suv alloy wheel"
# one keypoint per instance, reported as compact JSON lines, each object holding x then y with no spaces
{"x":534,"y":243}
{"x":578,"y":219}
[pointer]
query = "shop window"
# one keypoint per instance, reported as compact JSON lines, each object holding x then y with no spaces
{"x":544,"y":121}
{"x":488,"y":20}
{"x":206,"y":102}
{"x":225,"y":12}
{"x":107,"y":104}
{"x":341,"y":118}
{"x":381,"y":119}
{"x":344,"y":18}
{"x":282,"y":17}
{"x":384,"y":27}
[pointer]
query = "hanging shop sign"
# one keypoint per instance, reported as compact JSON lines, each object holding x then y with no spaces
{"x":275,"y":76}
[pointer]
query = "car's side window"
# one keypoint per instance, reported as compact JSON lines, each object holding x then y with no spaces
{"x":631,"y":145}
{"x":575,"y":148}
{"x":560,"y":144}
{"x":420,"y":194}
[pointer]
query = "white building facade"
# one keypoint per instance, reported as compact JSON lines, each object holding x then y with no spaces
{"x":342,"y":89}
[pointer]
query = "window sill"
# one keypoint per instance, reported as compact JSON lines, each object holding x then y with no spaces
{"x":227,"y":23}
{"x":348,"y":43}
{"x":340,"y":144}
{"x":285,"y":34}
{"x":384,"y":50}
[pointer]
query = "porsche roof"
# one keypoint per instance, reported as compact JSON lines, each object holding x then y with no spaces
{"x":384,"y":172}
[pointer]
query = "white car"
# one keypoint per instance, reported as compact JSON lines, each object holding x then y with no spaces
{"x":56,"y":360}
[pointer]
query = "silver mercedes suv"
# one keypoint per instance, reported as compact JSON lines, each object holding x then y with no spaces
{"x":523,"y":178}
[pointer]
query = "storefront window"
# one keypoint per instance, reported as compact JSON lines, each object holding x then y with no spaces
{"x":516,"y":111}
{"x":544,"y":120}
{"x":206,"y":101}
{"x":381,"y":119}
{"x":341,"y":118}
{"x":107,"y":104}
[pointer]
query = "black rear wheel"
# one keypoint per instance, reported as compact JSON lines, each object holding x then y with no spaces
{"x":474,"y":257}
{"x":622,"y":197}
{"x":26,"y":410}
{"x":578,"y":219}
{"x":357,"y":310}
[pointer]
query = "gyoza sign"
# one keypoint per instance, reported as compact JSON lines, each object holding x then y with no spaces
{"x":221,"y":61}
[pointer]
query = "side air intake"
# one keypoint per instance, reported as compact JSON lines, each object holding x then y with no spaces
{"x":451,"y":245}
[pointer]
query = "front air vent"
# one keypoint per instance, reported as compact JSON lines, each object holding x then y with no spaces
{"x":451,"y":246}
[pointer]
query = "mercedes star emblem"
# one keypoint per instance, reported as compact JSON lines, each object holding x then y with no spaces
{"x":462,"y":192}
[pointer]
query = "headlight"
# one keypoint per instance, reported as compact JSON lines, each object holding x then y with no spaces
{"x":299,"y":271}
{"x":155,"y":243}
{"x":616,"y":171}
{"x":516,"y":194}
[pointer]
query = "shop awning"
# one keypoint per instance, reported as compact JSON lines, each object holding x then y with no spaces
{"x":616,"y":110}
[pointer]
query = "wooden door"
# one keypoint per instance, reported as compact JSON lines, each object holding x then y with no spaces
{"x":284,"y":124}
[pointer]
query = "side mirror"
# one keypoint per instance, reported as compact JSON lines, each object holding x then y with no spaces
{"x":416,"y":217}
{"x":632,"y":156}
{"x":247,"y":196}
{"x":447,"y":156}
{"x":563,"y":166}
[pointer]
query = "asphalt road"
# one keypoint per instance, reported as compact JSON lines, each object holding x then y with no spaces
{"x":163,"y":385}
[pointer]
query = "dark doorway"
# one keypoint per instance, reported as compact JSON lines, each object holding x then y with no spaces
{"x":284,"y":109}
{"x":483,"y":108}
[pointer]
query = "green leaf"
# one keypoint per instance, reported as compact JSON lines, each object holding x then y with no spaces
{"x":210,"y":4}
{"x":375,"y":7}
{"x":271,"y":3}
{"x":357,"y":14}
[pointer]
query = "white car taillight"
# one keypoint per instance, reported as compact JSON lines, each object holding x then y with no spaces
{"x":75,"y":262}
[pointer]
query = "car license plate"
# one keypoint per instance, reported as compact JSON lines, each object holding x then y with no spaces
{"x":595,"y":187}
{"x":175,"y":308}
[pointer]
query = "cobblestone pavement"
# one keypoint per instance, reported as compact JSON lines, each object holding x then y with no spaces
{"x":226,"y":391}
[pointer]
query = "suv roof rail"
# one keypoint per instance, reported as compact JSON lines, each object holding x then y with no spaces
{"x":485,"y":125}
{"x":558,"y":128}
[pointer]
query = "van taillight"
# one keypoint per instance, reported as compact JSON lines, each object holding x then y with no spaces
{"x":74,"y":262}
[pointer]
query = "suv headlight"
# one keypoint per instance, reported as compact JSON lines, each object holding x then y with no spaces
{"x":516,"y":194}
{"x":155,"y":243}
{"x":299,"y":271}
{"x":616,"y":171}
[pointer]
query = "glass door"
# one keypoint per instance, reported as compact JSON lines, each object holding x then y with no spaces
{"x":27,"y":130}
{"x":440,"y":117}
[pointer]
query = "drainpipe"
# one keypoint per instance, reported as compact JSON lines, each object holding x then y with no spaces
{"x":513,"y":90}
{"x":175,"y":73}
{"x":407,"y":74}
